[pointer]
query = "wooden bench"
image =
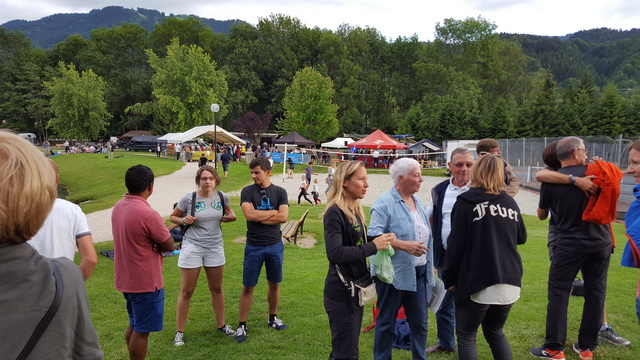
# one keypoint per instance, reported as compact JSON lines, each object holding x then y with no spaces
{"x":293,"y":227}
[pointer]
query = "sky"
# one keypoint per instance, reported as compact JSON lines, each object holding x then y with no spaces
{"x":392,"y":18}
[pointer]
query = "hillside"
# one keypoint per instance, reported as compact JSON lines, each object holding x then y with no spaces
{"x":50,"y":30}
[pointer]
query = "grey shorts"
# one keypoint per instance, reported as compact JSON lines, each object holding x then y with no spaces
{"x":193,"y":256}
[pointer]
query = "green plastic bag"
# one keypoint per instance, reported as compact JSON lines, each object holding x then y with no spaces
{"x":382,"y":265}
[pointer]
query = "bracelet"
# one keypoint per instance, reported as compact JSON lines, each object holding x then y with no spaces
{"x":572,"y":179}
{"x":182,"y":221}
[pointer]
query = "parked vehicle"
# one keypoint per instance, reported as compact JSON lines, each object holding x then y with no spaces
{"x":145,"y":142}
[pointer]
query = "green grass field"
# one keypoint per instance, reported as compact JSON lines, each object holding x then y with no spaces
{"x":301,"y":305}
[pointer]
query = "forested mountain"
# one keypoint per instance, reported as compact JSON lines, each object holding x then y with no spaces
{"x":607,"y":55}
{"x":50,"y":30}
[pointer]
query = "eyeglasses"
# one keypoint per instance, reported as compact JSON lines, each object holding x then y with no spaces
{"x":205,"y":179}
{"x":461,"y":165}
{"x":583,"y":149}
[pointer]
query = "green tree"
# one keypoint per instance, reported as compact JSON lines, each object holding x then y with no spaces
{"x":23,"y":105}
{"x":185,"y":84}
{"x":609,"y":117}
{"x":540,"y":116}
{"x":309,"y":107}
{"x":77,"y":101}
{"x":118,"y":55}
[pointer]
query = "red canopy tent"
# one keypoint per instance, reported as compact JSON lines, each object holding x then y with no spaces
{"x":377,"y":140}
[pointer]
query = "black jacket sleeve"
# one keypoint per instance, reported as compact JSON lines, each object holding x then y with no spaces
{"x":456,"y":244}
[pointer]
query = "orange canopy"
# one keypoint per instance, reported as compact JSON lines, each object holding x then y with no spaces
{"x":377,"y":140}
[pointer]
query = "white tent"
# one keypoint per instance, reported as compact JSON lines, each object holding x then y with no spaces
{"x":222,"y":135}
{"x":338,"y":143}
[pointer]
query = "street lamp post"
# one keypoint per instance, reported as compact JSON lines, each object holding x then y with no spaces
{"x":215,"y":108}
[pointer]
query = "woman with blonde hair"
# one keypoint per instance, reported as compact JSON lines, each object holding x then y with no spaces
{"x":33,"y":286}
{"x":347,"y":247}
{"x":485,"y":268}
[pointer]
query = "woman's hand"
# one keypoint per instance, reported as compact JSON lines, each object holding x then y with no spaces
{"x":586,"y":184}
{"x":415,"y":248}
{"x":189,"y":219}
{"x":384,"y":240}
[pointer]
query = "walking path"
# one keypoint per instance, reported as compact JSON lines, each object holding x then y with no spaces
{"x":170,"y":188}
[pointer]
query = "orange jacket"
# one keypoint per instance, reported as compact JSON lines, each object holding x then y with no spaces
{"x":601,"y":208}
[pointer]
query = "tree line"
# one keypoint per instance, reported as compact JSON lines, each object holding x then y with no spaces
{"x":469,"y":82}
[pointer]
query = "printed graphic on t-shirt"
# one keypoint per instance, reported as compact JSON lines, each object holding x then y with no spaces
{"x":358,"y":228}
{"x":265,"y":203}
{"x":200,"y":206}
{"x":494,"y":210}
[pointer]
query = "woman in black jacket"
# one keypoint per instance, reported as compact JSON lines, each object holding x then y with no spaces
{"x":347,"y":248}
{"x":485,"y":267}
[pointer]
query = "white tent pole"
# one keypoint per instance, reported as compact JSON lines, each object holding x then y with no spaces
{"x":284,"y":162}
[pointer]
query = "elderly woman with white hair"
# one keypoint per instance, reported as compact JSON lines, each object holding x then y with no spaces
{"x":43,"y":302}
{"x":399,"y":211}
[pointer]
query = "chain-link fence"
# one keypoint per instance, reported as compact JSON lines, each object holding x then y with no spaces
{"x":528,"y":152}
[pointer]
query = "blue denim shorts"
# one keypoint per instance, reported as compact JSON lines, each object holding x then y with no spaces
{"x":146,"y":311}
{"x":254,"y":256}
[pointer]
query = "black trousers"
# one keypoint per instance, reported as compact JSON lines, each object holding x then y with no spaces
{"x":469,"y":316}
{"x":564,"y":268}
{"x":303,"y":192}
{"x":345,"y":320}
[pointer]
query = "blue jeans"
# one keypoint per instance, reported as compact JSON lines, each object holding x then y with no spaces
{"x":389,"y":301}
{"x":638,"y":309}
{"x":446,"y":320}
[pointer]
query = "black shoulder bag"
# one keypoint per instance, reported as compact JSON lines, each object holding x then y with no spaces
{"x":48,"y":316}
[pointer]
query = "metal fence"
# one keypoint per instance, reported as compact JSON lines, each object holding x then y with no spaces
{"x":528,"y":152}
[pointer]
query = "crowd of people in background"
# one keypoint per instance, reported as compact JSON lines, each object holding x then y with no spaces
{"x":464,"y":240}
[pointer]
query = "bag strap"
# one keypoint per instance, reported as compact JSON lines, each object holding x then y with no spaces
{"x":221,"y":201}
{"x":48,"y":316}
{"x":222,"y":204}
{"x":192,"y":212}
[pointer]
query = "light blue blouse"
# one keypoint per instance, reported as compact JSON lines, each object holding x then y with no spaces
{"x":390,"y":213}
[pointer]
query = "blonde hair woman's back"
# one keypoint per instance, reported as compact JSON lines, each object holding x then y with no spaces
{"x":488,"y":173}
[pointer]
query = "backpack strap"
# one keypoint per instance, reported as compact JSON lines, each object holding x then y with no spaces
{"x":48,"y":316}
{"x":222,"y":204}
{"x":192,"y":212}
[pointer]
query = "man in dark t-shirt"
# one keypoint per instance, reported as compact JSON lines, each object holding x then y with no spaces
{"x":225,"y":159}
{"x":265,"y":206}
{"x":581,"y":246}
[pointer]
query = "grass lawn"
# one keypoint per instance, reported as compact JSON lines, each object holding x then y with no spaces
{"x":96,"y":182}
{"x":301,"y":305}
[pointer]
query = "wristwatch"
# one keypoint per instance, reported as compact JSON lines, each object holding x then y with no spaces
{"x":572,"y":179}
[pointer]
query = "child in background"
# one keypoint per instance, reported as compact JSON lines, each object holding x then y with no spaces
{"x":314,"y":192}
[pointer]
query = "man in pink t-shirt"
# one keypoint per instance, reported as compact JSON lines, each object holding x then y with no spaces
{"x":139,"y":237}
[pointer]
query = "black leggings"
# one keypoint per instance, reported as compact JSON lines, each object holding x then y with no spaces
{"x":303,"y":192}
{"x":469,"y":316}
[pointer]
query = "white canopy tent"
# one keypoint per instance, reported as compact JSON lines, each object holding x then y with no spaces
{"x":338,"y":143}
{"x":222,"y":135}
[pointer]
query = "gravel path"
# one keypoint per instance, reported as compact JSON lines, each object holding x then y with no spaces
{"x":169,"y":189}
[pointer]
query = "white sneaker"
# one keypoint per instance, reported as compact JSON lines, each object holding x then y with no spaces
{"x":179,"y":339}
{"x":227,"y":330}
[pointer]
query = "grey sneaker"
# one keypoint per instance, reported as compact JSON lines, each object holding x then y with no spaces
{"x":179,"y":339}
{"x":612,"y":337}
{"x":241,"y":333}
{"x":277,"y":324}
{"x":227,"y":330}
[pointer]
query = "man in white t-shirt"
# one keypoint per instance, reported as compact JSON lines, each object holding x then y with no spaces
{"x":65,"y":230}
